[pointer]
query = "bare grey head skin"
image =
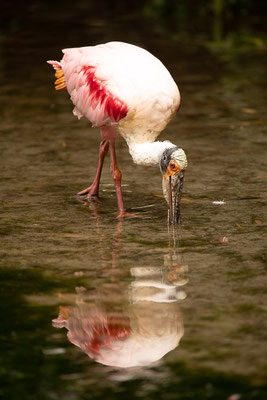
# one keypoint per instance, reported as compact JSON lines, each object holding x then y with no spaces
{"x":172,"y":165}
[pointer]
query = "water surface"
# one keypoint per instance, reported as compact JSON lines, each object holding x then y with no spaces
{"x":93,"y":307}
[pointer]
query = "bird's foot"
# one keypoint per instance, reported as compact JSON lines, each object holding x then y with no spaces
{"x":85,"y":191}
{"x":91,"y":194}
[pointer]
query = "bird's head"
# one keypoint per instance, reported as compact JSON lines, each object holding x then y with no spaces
{"x":173,"y":163}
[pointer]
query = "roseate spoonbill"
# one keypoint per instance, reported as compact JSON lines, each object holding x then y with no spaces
{"x":125,"y":90}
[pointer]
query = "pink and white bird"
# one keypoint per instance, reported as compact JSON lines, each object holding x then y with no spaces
{"x":124,"y":90}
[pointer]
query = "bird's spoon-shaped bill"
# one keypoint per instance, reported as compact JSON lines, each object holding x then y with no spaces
{"x":174,"y":198}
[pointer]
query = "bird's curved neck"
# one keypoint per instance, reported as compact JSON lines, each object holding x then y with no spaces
{"x":148,"y":153}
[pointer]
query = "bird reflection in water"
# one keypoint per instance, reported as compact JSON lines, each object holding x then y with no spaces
{"x":134,"y":319}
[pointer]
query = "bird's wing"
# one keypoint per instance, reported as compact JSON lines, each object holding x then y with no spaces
{"x":89,"y":90}
{"x":119,"y":83}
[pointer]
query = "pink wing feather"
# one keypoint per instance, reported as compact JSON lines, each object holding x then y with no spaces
{"x":88,"y":92}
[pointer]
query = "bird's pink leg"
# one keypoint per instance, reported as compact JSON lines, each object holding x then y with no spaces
{"x":92,"y":191}
{"x":116,"y":175}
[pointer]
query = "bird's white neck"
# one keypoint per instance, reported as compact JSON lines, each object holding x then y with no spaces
{"x":148,"y":153}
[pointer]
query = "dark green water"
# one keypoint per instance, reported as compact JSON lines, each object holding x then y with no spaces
{"x":185,"y":308}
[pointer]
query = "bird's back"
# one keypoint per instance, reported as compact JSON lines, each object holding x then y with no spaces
{"x":122,"y":84}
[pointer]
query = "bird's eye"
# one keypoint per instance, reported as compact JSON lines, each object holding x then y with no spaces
{"x":164,"y":158}
{"x":172,"y":166}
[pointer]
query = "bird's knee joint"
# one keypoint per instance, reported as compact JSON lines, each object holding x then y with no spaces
{"x":116,"y":175}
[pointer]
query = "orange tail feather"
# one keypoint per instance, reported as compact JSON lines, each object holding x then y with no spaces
{"x":60,"y":82}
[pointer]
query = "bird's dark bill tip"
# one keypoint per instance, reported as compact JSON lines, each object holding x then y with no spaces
{"x":174,"y":192}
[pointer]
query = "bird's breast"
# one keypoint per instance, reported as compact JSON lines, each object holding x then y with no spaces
{"x":148,"y":116}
